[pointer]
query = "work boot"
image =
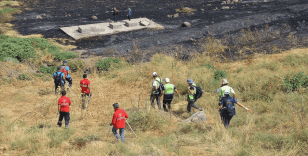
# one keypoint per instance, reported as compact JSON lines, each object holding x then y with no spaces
{"x":59,"y":124}
{"x":66,"y":126}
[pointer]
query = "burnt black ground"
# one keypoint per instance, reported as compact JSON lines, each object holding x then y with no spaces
{"x":249,"y":13}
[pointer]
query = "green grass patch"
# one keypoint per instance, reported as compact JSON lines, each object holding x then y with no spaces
{"x":105,"y":64}
{"x":48,"y":70}
{"x":7,"y":10}
{"x":25,"y":48}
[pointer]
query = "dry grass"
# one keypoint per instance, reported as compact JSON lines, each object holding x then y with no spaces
{"x":186,"y":10}
{"x":9,"y":3}
{"x":29,"y":104}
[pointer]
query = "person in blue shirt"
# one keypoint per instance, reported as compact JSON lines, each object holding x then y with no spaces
{"x":227,"y":108}
{"x":129,"y":13}
{"x":58,"y":79}
{"x":66,"y":70}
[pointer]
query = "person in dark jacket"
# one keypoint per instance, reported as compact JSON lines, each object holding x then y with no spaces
{"x":129,"y":15}
{"x":118,"y":121}
{"x":115,"y":14}
{"x":227,"y":108}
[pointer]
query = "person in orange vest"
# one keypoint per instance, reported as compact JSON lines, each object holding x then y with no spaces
{"x":118,"y":121}
{"x":85,"y":90}
{"x":64,"y":109}
{"x":66,"y":70}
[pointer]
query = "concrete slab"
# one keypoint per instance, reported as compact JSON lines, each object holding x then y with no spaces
{"x":117,"y":25}
{"x":90,"y":30}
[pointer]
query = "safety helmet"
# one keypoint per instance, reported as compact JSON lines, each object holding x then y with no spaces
{"x":64,"y":61}
{"x":59,"y":68}
{"x":154,"y":74}
{"x":167,"y":80}
{"x":190,"y":81}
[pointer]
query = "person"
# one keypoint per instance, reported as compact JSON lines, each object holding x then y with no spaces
{"x":85,"y":91}
{"x":58,"y":77}
{"x":227,"y":108}
{"x":64,"y":109}
{"x":129,"y":15}
{"x":115,"y":14}
{"x":168,"y":92}
{"x":66,"y":70}
{"x":156,"y":84}
{"x":191,"y":91}
{"x":223,"y":88}
{"x":118,"y":121}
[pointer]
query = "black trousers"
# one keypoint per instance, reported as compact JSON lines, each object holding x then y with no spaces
{"x":167,"y":102}
{"x":128,"y":17}
{"x":152,"y":98}
{"x":191,"y":103}
{"x":58,"y":85}
{"x":225,"y":118}
{"x":66,"y":116}
{"x":70,"y":81}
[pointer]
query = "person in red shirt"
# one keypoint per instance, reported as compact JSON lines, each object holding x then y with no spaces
{"x":85,"y":91}
{"x":64,"y":109}
{"x":118,"y":121}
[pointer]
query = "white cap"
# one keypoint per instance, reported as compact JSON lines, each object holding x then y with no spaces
{"x":167,"y":80}
{"x":154,"y":74}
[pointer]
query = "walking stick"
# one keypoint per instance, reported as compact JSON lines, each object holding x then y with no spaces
{"x":131,"y":128}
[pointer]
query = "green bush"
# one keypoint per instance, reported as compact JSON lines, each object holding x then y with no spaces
{"x":76,"y":65}
{"x":105,"y":64}
{"x":48,"y":70}
{"x":296,"y":81}
{"x":24,"y":47}
{"x":7,"y":59}
{"x":24,"y":77}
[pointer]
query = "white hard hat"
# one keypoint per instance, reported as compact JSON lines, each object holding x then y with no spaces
{"x":154,"y":74}
{"x":167,"y":80}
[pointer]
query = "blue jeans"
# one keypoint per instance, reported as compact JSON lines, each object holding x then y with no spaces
{"x":114,"y":131}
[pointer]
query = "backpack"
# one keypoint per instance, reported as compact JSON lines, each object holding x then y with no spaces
{"x":58,"y":78}
{"x":229,"y":105}
{"x":199,"y":92}
{"x":63,"y":70}
{"x":160,"y":87}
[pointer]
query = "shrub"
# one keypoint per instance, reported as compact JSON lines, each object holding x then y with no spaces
{"x":24,"y":48}
{"x":145,"y":121}
{"x":76,"y":65}
{"x":7,"y":59}
{"x":105,"y":64}
{"x":48,"y":70}
{"x":24,"y":77}
{"x":58,"y":136}
{"x":296,"y":81}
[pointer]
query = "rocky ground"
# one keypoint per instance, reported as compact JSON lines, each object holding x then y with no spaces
{"x":211,"y":18}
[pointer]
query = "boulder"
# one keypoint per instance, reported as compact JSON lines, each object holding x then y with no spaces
{"x":68,"y":15}
{"x":265,"y":0}
{"x":169,"y":16}
{"x":197,"y":117}
{"x":225,"y":7}
{"x":223,"y":2}
{"x":235,"y":1}
{"x":79,"y":30}
{"x":144,"y":23}
{"x":186,"y":24}
{"x":215,"y":8}
{"x":94,"y":17}
{"x":176,"y":15}
{"x":39,"y":17}
{"x":44,"y":15}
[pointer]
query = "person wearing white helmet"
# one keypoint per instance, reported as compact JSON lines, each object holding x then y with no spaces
{"x":191,"y":92}
{"x":168,"y":92}
{"x":156,"y":91}
{"x":225,"y":88}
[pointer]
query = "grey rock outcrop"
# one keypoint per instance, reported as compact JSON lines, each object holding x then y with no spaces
{"x":197,"y":117}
